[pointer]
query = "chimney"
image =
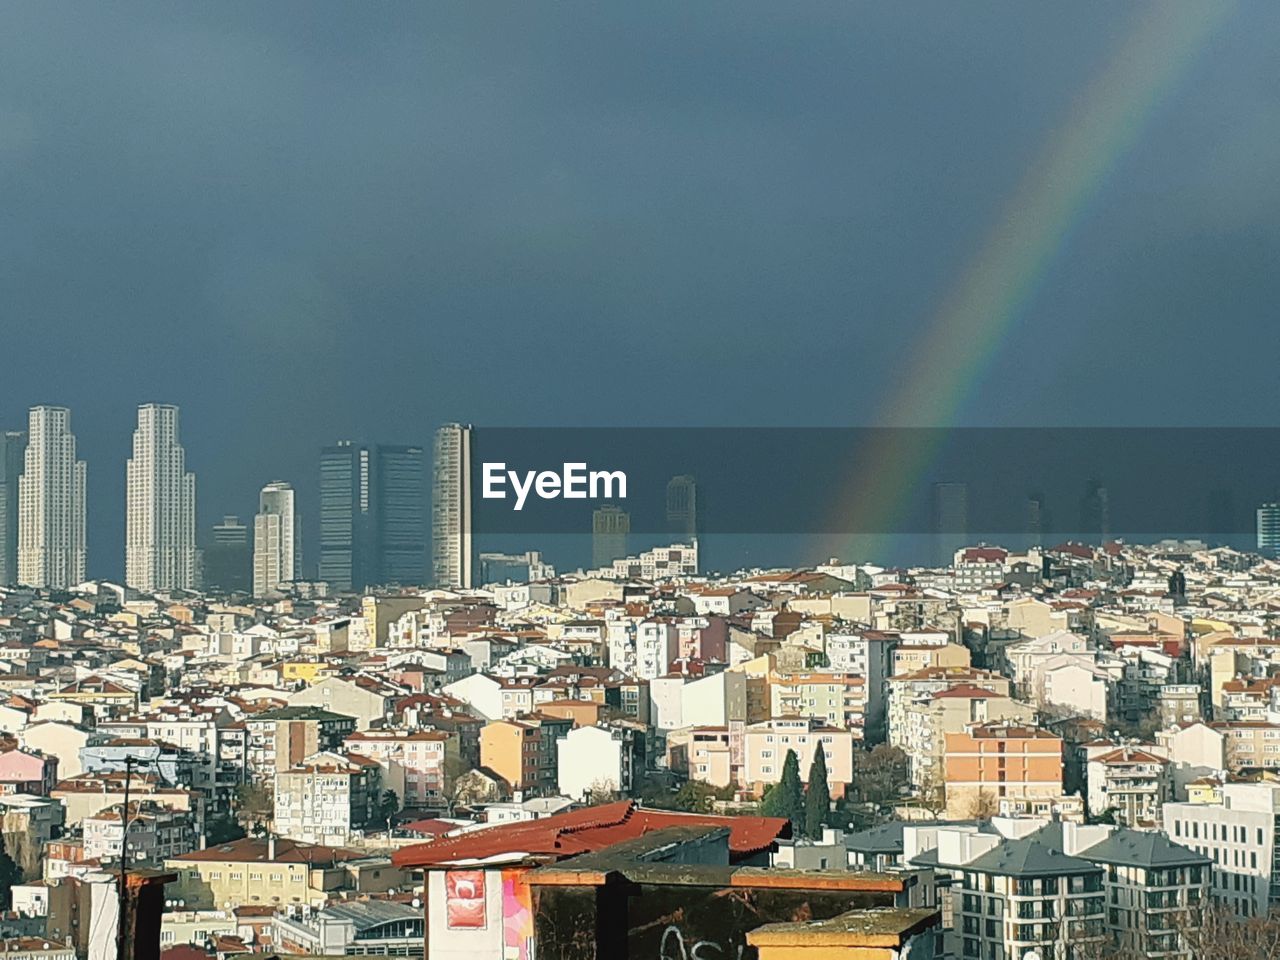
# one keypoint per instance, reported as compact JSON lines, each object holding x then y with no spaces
{"x":271,"y":847}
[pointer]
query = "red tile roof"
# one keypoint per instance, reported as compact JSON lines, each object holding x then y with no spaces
{"x":583,"y":831}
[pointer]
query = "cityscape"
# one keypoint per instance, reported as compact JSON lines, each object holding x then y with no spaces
{"x":406,"y":746}
{"x":648,"y":481}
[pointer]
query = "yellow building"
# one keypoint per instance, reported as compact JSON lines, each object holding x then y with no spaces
{"x":275,"y":871}
{"x":307,"y":671}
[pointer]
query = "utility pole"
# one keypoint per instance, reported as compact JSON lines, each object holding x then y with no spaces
{"x":121,"y":935}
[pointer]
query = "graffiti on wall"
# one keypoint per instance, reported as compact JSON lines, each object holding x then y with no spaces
{"x":517,"y":916}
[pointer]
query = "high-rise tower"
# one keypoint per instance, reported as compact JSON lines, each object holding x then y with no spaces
{"x":160,"y":515}
{"x":13,"y":448}
{"x":51,"y":541}
{"x":451,"y":507}
{"x":277,"y":539}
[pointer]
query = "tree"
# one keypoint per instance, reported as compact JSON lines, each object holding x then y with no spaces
{"x":817,"y":801}
{"x":932,"y":795}
{"x":983,"y":806}
{"x":602,"y":790}
{"x":10,"y":874}
{"x":388,"y":807}
{"x":255,"y":804}
{"x":786,"y":797}
{"x":883,"y":775}
{"x":694,"y":796}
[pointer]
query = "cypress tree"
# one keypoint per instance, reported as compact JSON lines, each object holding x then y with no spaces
{"x":817,"y":802}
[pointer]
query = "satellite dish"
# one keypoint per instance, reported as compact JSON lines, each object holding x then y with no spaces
{"x":1031,"y":955}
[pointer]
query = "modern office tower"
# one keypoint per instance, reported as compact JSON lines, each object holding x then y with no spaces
{"x":372,"y":516}
{"x":346,"y":517}
{"x":51,"y":541}
{"x":1095,"y":511}
{"x":682,"y":507}
{"x":13,"y":447}
{"x":1269,"y":529}
{"x":1039,"y":523}
{"x":277,"y":539}
{"x":950,"y":520}
{"x":160,"y":511}
{"x":228,"y":561}
{"x":610,"y":526}
{"x":451,"y":507}
{"x":399,"y":515}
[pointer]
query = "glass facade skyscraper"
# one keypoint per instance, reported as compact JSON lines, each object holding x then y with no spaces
{"x":372,"y":516}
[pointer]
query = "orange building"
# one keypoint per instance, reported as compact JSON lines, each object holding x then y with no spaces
{"x":990,"y":762}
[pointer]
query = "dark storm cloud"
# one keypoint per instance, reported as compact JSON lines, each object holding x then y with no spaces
{"x":307,"y":220}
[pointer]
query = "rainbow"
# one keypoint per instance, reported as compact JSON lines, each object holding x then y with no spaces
{"x":973,"y":319}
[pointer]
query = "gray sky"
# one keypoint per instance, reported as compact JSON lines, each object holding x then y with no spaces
{"x":301,"y":221}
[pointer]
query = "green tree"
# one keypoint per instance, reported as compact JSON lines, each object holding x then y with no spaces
{"x":254,"y":804}
{"x":388,"y":807}
{"x":817,"y":802}
{"x":786,"y":797}
{"x":694,"y":796}
{"x":10,"y":873}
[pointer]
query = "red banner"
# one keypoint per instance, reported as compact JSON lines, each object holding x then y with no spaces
{"x":464,"y":899}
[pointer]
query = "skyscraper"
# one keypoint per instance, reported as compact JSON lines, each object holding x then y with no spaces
{"x":950,"y":520}
{"x":451,"y":507}
{"x":399,"y":515}
{"x":160,"y":513}
{"x":1095,"y":511}
{"x":228,"y":561}
{"x":277,"y":539}
{"x":682,"y":507}
{"x":51,"y":542}
{"x":1269,"y":529}
{"x":346,"y":516}
{"x":13,"y":447}
{"x":610,"y":526}
{"x":372,"y":516}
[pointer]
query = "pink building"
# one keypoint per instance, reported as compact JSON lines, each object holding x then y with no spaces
{"x":420,"y":752}
{"x":23,"y":772}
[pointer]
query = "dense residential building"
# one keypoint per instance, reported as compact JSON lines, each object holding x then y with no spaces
{"x":988,"y":763}
{"x":156,"y":833}
{"x":451,"y":546}
{"x":51,"y":504}
{"x":277,"y":539}
{"x":278,"y":739}
{"x":431,"y":760}
{"x":326,"y":799}
{"x":765,"y":747}
{"x":160,"y":520}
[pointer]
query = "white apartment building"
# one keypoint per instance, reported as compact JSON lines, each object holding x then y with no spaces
{"x":1238,"y":834}
{"x":594,"y":757}
{"x":326,"y":799}
{"x":277,"y":539}
{"x":676,"y":560}
{"x":640,"y":647}
{"x":51,"y":519}
{"x":156,"y":833}
{"x":160,"y":520}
